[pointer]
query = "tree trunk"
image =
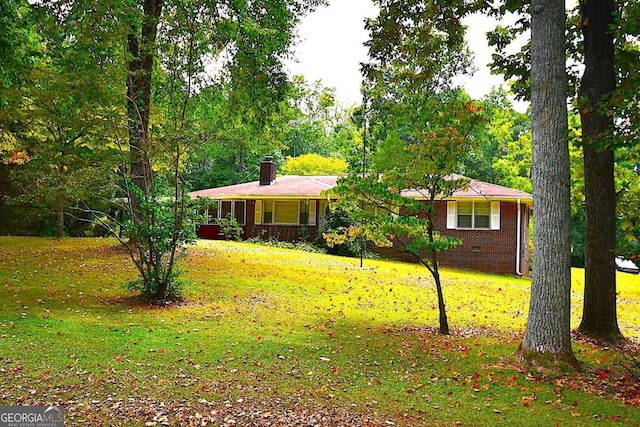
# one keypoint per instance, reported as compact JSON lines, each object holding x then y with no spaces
{"x":599,"y":316}
{"x":141,"y":47}
{"x":60,"y":219}
{"x":435,"y":272}
{"x":548,"y":330}
{"x":442,"y":308}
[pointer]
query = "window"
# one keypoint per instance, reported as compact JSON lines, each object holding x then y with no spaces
{"x":231,"y":208}
{"x":476,"y":215}
{"x":285,"y":212}
{"x":268,"y":211}
{"x":307,"y":212}
{"x":465,"y":215}
{"x":481,"y":214}
{"x":210,"y":214}
{"x":239,"y":212}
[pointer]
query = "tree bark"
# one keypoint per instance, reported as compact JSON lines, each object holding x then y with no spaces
{"x":548,"y":328}
{"x":442,"y":308}
{"x":141,"y":46}
{"x":599,"y":316}
{"x":60,"y":219}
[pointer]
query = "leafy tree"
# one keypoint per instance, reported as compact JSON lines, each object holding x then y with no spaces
{"x":314,"y":164}
{"x":19,"y":46}
{"x":256,"y":35}
{"x":318,"y":123}
{"x":503,"y":153}
{"x":628,"y":186}
{"x":395,"y":205}
{"x":220,"y":159}
{"x":626,"y":102}
{"x":58,"y":109}
{"x":548,"y":330}
{"x":165,"y":47}
{"x":577,"y":191}
{"x":341,"y":233}
{"x":420,"y":126}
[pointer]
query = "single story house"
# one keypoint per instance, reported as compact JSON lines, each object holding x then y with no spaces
{"x":491,"y":220}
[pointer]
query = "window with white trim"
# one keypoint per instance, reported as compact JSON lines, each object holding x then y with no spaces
{"x":473,"y":215}
{"x":227,"y":208}
{"x":286,"y":212}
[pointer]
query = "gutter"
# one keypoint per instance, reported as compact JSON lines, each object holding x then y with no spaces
{"x":518,"y":239}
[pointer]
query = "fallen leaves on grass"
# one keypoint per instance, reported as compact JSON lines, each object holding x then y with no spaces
{"x":284,"y":412}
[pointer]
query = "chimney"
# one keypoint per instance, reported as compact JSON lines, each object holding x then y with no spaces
{"x":267,"y":171}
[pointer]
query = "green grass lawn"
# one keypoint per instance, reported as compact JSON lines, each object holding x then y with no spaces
{"x":269,"y":331}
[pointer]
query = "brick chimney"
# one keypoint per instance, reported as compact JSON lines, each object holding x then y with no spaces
{"x":267,"y":171}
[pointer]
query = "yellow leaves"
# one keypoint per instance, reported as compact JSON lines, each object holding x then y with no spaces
{"x":314,"y":164}
{"x":17,"y":158}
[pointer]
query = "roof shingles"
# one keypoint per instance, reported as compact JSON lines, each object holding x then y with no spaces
{"x":314,"y":186}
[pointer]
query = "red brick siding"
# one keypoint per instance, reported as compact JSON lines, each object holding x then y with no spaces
{"x":485,"y":250}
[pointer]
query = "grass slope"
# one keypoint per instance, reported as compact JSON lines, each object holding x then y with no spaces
{"x":273,"y":337}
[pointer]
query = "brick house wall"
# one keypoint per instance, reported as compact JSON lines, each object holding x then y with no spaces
{"x":489,"y":250}
{"x":483,"y":250}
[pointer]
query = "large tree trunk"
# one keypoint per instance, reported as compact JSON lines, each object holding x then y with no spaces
{"x":141,"y":46}
{"x":548,"y":330}
{"x":599,"y":317}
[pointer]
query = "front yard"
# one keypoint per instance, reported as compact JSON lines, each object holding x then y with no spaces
{"x":279,"y":337}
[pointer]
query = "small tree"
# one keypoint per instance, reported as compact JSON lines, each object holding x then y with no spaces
{"x":397,"y":206}
{"x":168,"y":45}
{"x":158,"y":241}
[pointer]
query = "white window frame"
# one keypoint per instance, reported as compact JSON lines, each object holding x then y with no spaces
{"x":494,"y":215}
{"x":233,"y":209}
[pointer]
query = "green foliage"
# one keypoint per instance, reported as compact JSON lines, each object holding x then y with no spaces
{"x":156,"y":240}
{"x":421,"y":41}
{"x":628,"y":188}
{"x":414,"y":166}
{"x":301,"y":244}
{"x":19,"y":45}
{"x":61,"y":123}
{"x":621,"y":104}
{"x":250,"y":39}
{"x":318,"y":124}
{"x":340,"y":232}
{"x":230,"y":228}
{"x":314,"y":164}
{"x":421,"y":127}
{"x":513,"y":169}
{"x":502,"y":154}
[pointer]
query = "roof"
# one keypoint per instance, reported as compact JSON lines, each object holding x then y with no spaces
{"x":295,"y":186}
{"x":283,"y":186}
{"x":480,"y":189}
